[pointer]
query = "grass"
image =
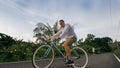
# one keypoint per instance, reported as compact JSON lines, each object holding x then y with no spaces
{"x":117,"y":51}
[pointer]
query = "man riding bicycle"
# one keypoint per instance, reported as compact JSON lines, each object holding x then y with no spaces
{"x":66,"y":31}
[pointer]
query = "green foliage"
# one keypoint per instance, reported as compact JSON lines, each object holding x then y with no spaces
{"x":57,"y":54}
{"x":87,"y":48}
{"x":19,"y":50}
{"x":5,"y":41}
{"x":43,"y":31}
{"x":101,"y":45}
{"x":89,"y":39}
{"x":116,"y":48}
{"x":16,"y":50}
{"x":117,"y":51}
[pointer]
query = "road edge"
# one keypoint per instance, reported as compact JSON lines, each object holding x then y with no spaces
{"x":15,"y":62}
{"x":117,"y":58}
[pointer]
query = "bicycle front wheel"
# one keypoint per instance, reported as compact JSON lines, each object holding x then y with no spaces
{"x":43,"y":57}
{"x":80,"y":57}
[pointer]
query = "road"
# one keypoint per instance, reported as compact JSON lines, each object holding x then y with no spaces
{"x":106,"y":60}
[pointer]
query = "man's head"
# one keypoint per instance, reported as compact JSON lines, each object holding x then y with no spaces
{"x":62,"y":23}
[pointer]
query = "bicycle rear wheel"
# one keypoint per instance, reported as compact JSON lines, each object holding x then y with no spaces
{"x":43,"y":57}
{"x":80,"y":57}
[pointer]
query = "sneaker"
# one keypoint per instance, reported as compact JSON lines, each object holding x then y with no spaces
{"x":69,"y":62}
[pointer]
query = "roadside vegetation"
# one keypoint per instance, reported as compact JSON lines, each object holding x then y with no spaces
{"x":116,"y":50}
{"x":12,"y":49}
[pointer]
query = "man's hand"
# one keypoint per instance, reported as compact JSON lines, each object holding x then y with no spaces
{"x":49,"y":38}
{"x":53,"y":38}
{"x":57,"y":38}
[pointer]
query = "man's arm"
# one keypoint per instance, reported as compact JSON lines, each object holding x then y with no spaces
{"x":56,"y":36}
{"x":66,"y":29}
{"x":58,"y":33}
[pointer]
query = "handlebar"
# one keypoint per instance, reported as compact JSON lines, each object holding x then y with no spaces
{"x":52,"y":38}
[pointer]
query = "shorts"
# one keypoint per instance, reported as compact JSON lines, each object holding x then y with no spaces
{"x":71,"y":40}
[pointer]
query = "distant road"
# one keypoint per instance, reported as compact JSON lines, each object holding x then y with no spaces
{"x":106,"y":60}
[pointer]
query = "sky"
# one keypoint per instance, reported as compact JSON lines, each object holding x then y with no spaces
{"x":18,"y":18}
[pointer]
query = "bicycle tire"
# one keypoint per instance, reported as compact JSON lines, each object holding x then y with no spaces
{"x":80,"y":58}
{"x":39,"y":58}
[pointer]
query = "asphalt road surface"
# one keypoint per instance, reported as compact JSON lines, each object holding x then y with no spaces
{"x":106,"y":60}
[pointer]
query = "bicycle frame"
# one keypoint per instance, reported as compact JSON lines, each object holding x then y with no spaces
{"x":53,"y":45}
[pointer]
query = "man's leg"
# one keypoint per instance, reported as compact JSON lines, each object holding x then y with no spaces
{"x":67,"y":44}
{"x":67,"y":50}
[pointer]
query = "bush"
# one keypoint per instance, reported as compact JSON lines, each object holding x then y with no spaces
{"x":22,"y":51}
{"x":87,"y":48}
{"x":117,"y":52}
{"x":97,"y":50}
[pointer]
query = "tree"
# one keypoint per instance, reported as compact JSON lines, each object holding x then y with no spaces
{"x":5,"y":41}
{"x":43,"y":31}
{"x":89,"y":39}
{"x":102,"y":43}
{"x":55,"y":27}
{"x":105,"y":44}
{"x":80,"y":42}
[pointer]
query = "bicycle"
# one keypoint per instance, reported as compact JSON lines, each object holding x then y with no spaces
{"x":44,"y":55}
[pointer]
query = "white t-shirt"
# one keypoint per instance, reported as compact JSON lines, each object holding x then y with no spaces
{"x":66,"y":32}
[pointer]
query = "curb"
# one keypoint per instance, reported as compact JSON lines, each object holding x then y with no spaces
{"x":117,"y":58}
{"x":15,"y":62}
